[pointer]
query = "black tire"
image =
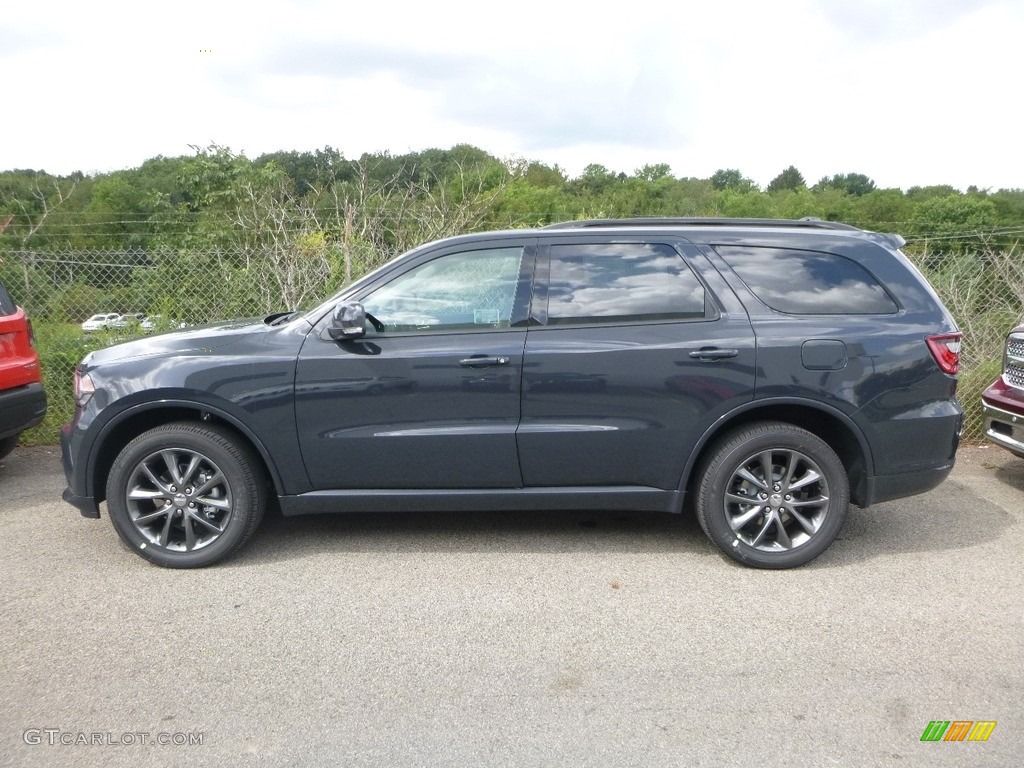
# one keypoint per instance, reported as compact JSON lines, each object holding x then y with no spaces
{"x":788,"y":521}
{"x":7,"y":445}
{"x":186,"y":495}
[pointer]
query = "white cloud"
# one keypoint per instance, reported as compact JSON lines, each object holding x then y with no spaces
{"x":914,"y":93}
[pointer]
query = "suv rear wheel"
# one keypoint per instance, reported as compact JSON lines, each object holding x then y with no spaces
{"x":185,"y":495}
{"x":772,"y":495}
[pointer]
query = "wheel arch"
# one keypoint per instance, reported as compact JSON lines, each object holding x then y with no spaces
{"x":830,"y":424}
{"x":128,"y":425}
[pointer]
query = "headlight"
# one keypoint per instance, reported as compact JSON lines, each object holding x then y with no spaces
{"x":84,"y":388}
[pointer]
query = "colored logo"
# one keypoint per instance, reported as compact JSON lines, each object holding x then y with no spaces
{"x":958,"y":730}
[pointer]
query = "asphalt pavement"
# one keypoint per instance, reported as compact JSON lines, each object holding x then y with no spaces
{"x":501,"y":639}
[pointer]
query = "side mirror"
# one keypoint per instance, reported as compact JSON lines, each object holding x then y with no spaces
{"x":348,"y":321}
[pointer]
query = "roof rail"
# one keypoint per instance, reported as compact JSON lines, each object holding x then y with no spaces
{"x":805,"y":223}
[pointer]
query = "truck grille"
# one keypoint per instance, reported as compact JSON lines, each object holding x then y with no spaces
{"x":1013,"y":373}
{"x":1015,"y":347}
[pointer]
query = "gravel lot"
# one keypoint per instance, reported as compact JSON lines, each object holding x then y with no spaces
{"x":497,"y":639}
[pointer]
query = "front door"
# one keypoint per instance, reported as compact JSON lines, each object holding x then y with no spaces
{"x":430,"y":397}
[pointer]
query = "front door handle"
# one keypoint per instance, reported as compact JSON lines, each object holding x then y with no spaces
{"x":708,"y":354}
{"x":483,"y":361}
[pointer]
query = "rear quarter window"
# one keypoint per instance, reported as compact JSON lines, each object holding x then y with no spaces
{"x":808,"y":282}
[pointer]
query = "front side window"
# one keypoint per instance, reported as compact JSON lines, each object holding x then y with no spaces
{"x":808,"y":282}
{"x":621,"y":282}
{"x":460,"y":291}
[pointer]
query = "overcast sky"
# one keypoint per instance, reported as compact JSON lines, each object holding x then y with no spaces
{"x":908,"y":92}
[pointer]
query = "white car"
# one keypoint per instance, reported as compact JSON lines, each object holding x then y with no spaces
{"x":127,"y":320}
{"x":161,"y":323}
{"x":100,"y":322}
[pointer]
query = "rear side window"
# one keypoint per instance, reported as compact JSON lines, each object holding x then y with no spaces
{"x":808,"y":282}
{"x":6,"y":302}
{"x":621,"y":282}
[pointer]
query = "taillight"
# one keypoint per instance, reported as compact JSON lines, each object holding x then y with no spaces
{"x":945,"y":348}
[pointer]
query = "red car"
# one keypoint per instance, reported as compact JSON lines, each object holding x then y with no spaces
{"x":22,"y":397}
{"x":1003,"y":402}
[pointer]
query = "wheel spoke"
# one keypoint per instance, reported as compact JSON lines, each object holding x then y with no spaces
{"x":215,"y":480}
{"x":782,"y":535}
{"x":736,"y":523}
{"x":141,"y":494}
{"x":804,"y":522}
{"x":816,"y":501}
{"x":787,"y":476}
{"x":221,"y":504}
{"x":764,"y":530}
{"x":767,"y":469}
{"x":165,"y":534}
{"x":145,"y":519}
{"x":810,"y":477}
{"x":193,"y":464}
{"x":153,"y":478}
{"x":190,"y":534}
{"x":747,"y":475}
{"x":171,"y":460}
{"x":739,"y":498}
{"x":203,"y":521}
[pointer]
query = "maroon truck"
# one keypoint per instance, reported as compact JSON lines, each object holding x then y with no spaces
{"x":1003,"y":401}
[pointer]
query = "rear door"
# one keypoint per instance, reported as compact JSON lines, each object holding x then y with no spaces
{"x":635,"y":348}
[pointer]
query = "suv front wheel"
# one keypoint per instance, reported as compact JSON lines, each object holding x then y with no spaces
{"x":772,"y":495}
{"x":185,"y":495}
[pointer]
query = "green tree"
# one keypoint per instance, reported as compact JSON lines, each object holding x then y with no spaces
{"x":730,"y":178}
{"x":790,"y":179}
{"x":653,"y":173}
{"x":854,"y":184}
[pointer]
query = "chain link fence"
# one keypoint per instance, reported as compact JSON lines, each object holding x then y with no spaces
{"x":166,"y":289}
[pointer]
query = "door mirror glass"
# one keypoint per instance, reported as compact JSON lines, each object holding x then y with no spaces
{"x":348,"y":321}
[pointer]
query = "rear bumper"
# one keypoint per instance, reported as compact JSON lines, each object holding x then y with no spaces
{"x":21,"y":408}
{"x":888,"y":487}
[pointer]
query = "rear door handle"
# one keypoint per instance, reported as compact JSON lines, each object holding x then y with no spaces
{"x":708,"y":354}
{"x":483,"y":361}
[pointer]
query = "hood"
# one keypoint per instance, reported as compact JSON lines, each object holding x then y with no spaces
{"x":201,"y":339}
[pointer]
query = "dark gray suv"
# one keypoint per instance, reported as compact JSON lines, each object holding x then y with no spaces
{"x":766,"y":373}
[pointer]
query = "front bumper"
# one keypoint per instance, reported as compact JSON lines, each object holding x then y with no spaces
{"x":87,"y":505}
{"x":1003,"y":412}
{"x":1004,"y":428}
